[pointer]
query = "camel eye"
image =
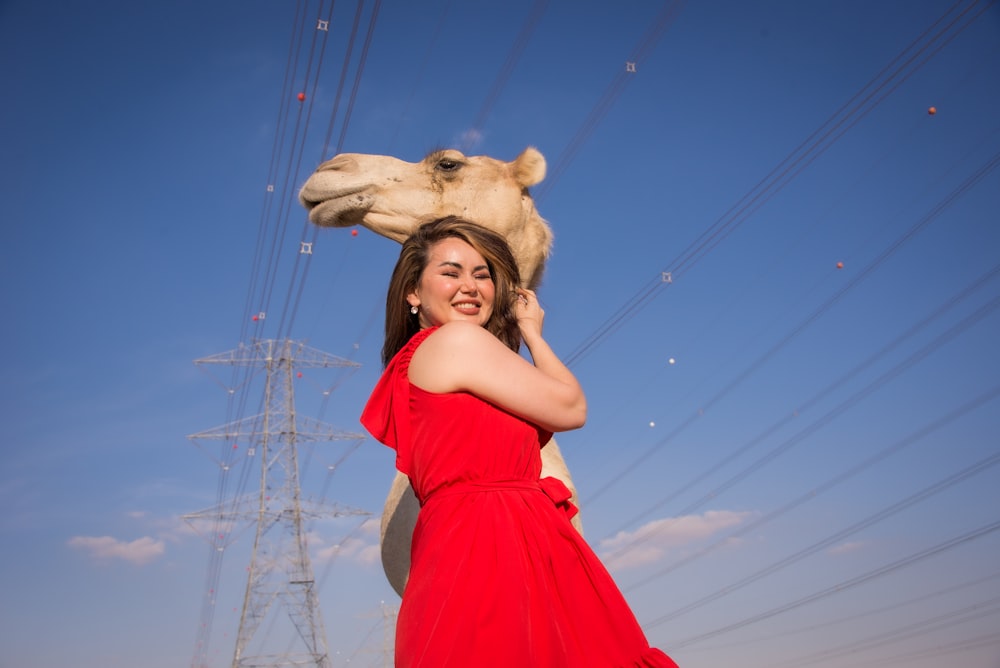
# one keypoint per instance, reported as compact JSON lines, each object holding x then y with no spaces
{"x":448,"y":165}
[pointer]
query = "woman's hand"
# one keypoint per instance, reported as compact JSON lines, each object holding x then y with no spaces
{"x":530,"y":315}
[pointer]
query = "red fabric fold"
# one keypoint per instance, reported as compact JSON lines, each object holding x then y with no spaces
{"x":560,"y":494}
{"x":387,"y":414}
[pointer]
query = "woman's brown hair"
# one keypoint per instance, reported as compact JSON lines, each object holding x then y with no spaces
{"x":400,"y":324}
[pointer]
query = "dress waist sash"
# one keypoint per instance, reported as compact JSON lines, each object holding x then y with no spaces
{"x":552,"y":487}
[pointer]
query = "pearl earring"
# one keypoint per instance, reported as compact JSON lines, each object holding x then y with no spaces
{"x":413,"y":310}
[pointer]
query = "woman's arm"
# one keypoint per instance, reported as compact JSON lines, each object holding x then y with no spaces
{"x":464,"y":357}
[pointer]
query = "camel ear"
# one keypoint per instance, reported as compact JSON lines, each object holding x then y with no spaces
{"x":529,"y":167}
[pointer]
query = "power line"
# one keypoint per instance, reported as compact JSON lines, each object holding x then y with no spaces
{"x":963,"y":188}
{"x":937,"y":313}
{"x":535,"y":15}
{"x":343,"y":77}
{"x":838,"y":536}
{"x":907,"y":632}
{"x":343,"y":132}
{"x":615,"y":88}
{"x":874,"y":574}
{"x":357,"y":75}
{"x":947,"y":649}
{"x":801,"y":435}
{"x":856,"y":614}
{"x":782,"y":174}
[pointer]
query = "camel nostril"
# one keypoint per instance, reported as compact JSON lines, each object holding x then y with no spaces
{"x":339,"y":163}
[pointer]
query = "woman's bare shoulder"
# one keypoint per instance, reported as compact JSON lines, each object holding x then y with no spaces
{"x":460,"y":333}
{"x":443,"y":360}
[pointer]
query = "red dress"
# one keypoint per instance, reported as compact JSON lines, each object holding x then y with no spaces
{"x":498,"y":575}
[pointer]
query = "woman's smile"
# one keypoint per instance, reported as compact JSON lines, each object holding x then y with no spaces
{"x":468,"y":307}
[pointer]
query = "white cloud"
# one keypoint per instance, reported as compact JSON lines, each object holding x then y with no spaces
{"x":355,"y":549}
{"x":648,"y":543}
{"x":844,"y":548}
{"x":361,"y":545}
{"x":470,"y":139}
{"x":176,"y":528}
{"x":370,"y":555}
{"x":140,"y":551}
{"x":372,"y":526}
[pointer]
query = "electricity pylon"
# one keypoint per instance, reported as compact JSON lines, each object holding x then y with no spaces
{"x":280,"y":577}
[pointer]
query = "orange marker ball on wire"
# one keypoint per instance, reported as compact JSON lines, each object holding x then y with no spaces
{"x":354,"y":233}
{"x":302,"y":97}
{"x":840,"y":265}
{"x":932,"y":110}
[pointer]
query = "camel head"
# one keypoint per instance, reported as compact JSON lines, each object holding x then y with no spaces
{"x":392,"y":197}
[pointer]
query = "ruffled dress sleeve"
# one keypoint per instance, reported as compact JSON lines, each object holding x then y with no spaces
{"x":387,"y":414}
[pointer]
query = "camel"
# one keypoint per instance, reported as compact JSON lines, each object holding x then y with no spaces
{"x":392,"y":197}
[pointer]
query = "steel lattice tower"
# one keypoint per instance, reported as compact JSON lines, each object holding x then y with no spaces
{"x":280,"y":576}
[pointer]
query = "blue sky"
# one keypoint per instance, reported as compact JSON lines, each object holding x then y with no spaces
{"x":813,"y":481}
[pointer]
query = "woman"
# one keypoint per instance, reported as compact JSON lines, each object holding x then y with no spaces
{"x":498,"y":575}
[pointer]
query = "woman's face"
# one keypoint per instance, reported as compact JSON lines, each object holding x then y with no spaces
{"x":455,"y":285}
